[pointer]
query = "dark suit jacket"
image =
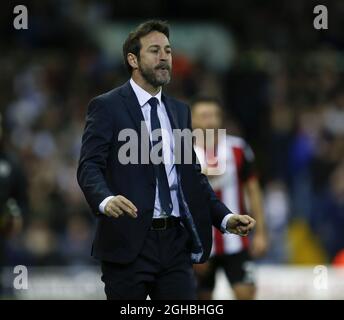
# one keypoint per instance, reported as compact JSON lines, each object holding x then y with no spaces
{"x":100,"y":174}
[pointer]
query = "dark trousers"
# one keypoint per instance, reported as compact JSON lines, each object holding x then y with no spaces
{"x":163,"y":270}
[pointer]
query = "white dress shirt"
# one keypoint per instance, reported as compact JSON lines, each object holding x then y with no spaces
{"x":168,"y":147}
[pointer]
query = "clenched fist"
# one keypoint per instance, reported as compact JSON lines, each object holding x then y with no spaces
{"x":119,"y":205}
{"x":240,"y":224}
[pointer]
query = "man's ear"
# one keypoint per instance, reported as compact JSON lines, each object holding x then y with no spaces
{"x":132,"y":60}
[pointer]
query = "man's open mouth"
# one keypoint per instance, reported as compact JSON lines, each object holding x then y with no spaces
{"x":163,"y":68}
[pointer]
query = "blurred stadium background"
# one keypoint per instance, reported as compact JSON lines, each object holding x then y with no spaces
{"x":281,"y":80}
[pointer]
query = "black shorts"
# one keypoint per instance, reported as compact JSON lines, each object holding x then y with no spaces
{"x":238,"y":267}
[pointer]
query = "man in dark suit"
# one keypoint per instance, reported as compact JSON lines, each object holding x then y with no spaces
{"x":154,"y":218}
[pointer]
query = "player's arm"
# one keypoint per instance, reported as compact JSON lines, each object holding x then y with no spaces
{"x":254,"y":194}
{"x":260,"y":242}
{"x":255,"y":198}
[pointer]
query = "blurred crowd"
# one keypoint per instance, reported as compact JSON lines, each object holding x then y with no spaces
{"x":287,"y":101}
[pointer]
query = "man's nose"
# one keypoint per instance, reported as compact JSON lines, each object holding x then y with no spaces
{"x":163,"y":56}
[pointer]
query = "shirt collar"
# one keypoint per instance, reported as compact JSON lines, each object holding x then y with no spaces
{"x":142,"y":95}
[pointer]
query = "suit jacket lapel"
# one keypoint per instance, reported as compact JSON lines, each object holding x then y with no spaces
{"x":132,"y":105}
{"x":171,"y":111}
{"x":173,"y":116}
{"x":135,"y":111}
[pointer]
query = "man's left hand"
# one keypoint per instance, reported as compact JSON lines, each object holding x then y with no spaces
{"x":240,"y":224}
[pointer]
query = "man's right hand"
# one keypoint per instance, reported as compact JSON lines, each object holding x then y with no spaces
{"x":118,"y":205}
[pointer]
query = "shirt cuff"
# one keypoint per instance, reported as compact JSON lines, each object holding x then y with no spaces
{"x":224,"y":223}
{"x":104,"y":203}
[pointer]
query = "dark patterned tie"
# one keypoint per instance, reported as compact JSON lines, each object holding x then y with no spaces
{"x":163,"y":186}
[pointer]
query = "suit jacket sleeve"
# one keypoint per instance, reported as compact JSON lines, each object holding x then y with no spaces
{"x":217,"y":209}
{"x":96,"y":140}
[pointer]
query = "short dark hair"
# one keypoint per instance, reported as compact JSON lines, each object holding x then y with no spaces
{"x":206,"y":99}
{"x":133,"y":45}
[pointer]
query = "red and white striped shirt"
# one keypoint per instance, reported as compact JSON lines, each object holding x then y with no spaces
{"x":239,"y":167}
